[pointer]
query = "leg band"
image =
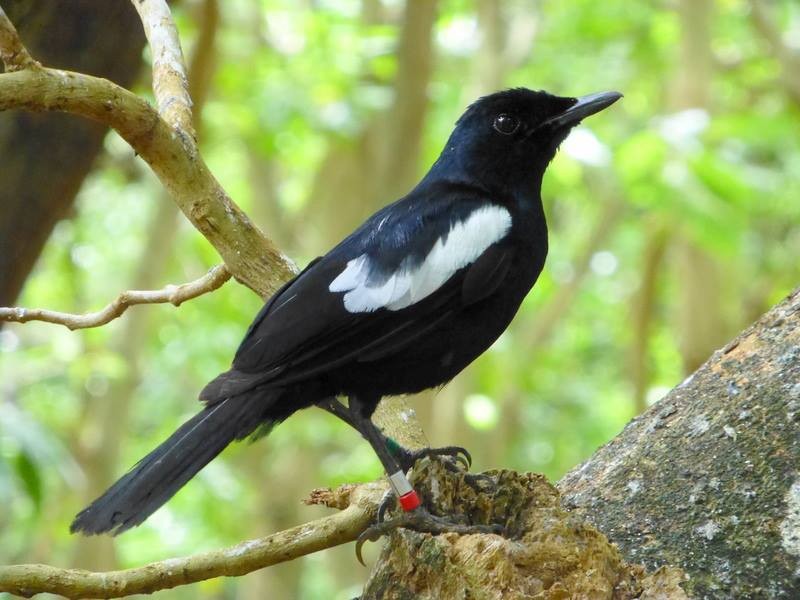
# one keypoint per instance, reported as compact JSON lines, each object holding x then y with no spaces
{"x":409,"y":500}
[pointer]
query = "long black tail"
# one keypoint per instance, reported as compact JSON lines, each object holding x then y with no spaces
{"x":160,"y":474}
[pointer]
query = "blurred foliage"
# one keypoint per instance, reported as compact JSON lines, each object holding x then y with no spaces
{"x":295,"y":81}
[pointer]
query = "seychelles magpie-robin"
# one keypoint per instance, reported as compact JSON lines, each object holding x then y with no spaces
{"x":403,"y":304}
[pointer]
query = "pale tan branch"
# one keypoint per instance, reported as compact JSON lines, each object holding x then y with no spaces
{"x":250,"y":257}
{"x":334,"y":530}
{"x":13,"y":53}
{"x":173,"y":294}
{"x":170,"y":82}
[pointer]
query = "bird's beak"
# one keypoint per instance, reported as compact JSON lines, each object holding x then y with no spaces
{"x":585,"y":106}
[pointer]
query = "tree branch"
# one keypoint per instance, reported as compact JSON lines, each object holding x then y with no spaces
{"x":13,"y":53}
{"x":173,"y":294}
{"x":170,"y":83}
{"x":320,"y":534}
{"x":250,"y":257}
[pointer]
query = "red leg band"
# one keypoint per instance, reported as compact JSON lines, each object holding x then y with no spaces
{"x":409,"y":501}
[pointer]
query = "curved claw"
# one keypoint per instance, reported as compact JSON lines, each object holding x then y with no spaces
{"x":385,"y":504}
{"x":375,"y":532}
{"x":464,"y":457}
{"x":368,"y":535}
{"x":457,"y":453}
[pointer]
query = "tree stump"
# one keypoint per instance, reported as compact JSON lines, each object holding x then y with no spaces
{"x":545,"y":553}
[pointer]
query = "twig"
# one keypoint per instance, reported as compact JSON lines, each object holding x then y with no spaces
{"x":340,"y":528}
{"x":174,"y":294}
{"x":170,"y":83}
{"x":13,"y":53}
{"x":252,"y":258}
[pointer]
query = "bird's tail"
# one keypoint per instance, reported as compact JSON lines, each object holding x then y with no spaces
{"x":160,"y":474}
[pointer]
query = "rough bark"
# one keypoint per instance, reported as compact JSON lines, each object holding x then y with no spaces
{"x":45,"y":157}
{"x":707,"y":479}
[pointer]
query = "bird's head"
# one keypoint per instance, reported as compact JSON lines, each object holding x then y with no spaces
{"x":509,"y":137}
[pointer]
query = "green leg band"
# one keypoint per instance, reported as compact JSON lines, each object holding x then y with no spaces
{"x":393,"y":447}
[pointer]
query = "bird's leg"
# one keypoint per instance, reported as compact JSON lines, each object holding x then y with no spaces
{"x":405,"y":457}
{"x":414,"y":515}
{"x":360,"y":412}
{"x":336,"y":408}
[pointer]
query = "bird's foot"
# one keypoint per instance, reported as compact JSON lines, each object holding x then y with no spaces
{"x":407,"y":457}
{"x":388,"y":501}
{"x":422,"y":521}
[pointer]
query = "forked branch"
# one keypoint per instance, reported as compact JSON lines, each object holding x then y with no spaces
{"x":170,"y":81}
{"x":250,"y":257}
{"x":13,"y":53}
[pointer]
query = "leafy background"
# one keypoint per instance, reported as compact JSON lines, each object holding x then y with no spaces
{"x":673,"y":217}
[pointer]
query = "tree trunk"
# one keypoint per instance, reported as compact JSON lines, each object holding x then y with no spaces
{"x":701,"y":491}
{"x":45,"y":157}
{"x":707,"y":479}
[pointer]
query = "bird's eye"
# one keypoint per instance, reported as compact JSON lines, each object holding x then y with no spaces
{"x":506,"y":124}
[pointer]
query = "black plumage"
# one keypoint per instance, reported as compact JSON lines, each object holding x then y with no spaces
{"x":403,"y":304}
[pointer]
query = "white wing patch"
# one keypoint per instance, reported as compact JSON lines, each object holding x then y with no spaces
{"x":465,"y":242}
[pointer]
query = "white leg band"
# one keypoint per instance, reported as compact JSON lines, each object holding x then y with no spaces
{"x":400,"y":483}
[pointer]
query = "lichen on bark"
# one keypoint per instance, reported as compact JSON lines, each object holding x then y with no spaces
{"x":545,"y":553}
{"x":703,"y":480}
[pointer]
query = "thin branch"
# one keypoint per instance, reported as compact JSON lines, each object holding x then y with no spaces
{"x":243,"y":558}
{"x":13,"y":53}
{"x":174,"y":294}
{"x":170,"y":82}
{"x":252,"y":258}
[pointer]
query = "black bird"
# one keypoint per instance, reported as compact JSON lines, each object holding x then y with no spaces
{"x":403,"y":304}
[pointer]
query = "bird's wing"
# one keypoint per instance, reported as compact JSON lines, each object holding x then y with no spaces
{"x":408,"y":268}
